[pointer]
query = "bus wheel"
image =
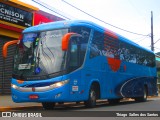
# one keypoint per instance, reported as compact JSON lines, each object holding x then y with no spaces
{"x":60,"y":103}
{"x":144,"y":97}
{"x":91,"y":102}
{"x":78,"y":102}
{"x":48,"y":105}
{"x":114,"y":101}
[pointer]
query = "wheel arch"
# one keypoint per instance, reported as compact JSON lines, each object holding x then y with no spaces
{"x":96,"y":86}
{"x":146,"y":87}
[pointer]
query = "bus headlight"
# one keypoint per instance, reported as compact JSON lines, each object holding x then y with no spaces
{"x":14,"y":86}
{"x":59,"y":84}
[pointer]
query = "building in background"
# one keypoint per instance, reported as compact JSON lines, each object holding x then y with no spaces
{"x":15,"y":16}
{"x":43,"y":17}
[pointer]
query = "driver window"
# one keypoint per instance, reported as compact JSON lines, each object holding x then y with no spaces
{"x":78,"y":46}
{"x":74,"y":54}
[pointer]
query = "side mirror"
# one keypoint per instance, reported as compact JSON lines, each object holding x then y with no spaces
{"x":66,"y":38}
{"x":5,"y":47}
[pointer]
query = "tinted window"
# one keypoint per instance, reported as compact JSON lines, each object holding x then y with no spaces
{"x":97,"y":45}
{"x":136,"y":55}
{"x":78,"y":46}
{"x":111,"y":46}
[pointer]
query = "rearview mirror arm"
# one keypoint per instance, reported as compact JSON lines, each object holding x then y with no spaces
{"x":6,"y":45}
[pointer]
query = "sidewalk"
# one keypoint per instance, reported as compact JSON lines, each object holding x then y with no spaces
{"x":6,"y":101}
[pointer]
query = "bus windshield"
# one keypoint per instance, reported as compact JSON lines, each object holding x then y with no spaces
{"x":40,"y":54}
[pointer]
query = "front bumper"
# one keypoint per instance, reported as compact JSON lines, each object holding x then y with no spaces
{"x":56,"y":95}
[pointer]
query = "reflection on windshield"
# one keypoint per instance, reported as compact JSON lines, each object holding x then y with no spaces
{"x":40,"y":54}
{"x":29,"y":38}
{"x":50,"y":53}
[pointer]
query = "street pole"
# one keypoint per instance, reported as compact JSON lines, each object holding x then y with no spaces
{"x":152,"y":43}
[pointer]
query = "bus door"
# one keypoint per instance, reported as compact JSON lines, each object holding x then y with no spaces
{"x":77,"y":52}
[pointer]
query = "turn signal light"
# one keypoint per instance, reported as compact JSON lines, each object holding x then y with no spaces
{"x":20,"y":81}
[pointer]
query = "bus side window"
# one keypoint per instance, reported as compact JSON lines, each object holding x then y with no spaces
{"x":74,"y":56}
{"x":97,"y":44}
{"x":82,"y":53}
{"x":77,"y":52}
{"x":94,"y":52}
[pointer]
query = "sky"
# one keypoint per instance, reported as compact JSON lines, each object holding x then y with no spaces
{"x":130,"y":15}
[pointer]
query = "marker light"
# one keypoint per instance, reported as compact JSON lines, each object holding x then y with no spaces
{"x":20,"y":81}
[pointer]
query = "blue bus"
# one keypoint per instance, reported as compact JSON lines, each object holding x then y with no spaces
{"x":79,"y":61}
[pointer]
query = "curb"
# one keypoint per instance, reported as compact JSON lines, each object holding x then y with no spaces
{"x":3,"y":109}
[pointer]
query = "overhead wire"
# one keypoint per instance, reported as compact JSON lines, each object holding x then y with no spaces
{"x":156,"y":41}
{"x":141,"y":39}
{"x":102,"y":20}
{"x":45,"y":6}
{"x":42,"y":4}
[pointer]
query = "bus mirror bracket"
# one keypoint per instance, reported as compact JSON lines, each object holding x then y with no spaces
{"x":66,"y":38}
{"x":5,"y":47}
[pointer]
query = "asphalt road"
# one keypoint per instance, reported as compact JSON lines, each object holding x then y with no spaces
{"x":102,"y":109}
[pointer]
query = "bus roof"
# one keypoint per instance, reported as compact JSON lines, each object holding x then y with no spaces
{"x":69,"y":23}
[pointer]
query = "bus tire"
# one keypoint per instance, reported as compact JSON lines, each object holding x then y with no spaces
{"x":60,"y":103}
{"x":48,"y":105}
{"x":144,"y":97}
{"x":91,"y":102}
{"x":113,"y":101}
{"x":78,"y":102}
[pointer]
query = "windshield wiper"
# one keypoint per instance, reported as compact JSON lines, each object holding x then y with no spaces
{"x":37,"y":66}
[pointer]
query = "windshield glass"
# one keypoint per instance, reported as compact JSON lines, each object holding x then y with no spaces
{"x":40,"y":54}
